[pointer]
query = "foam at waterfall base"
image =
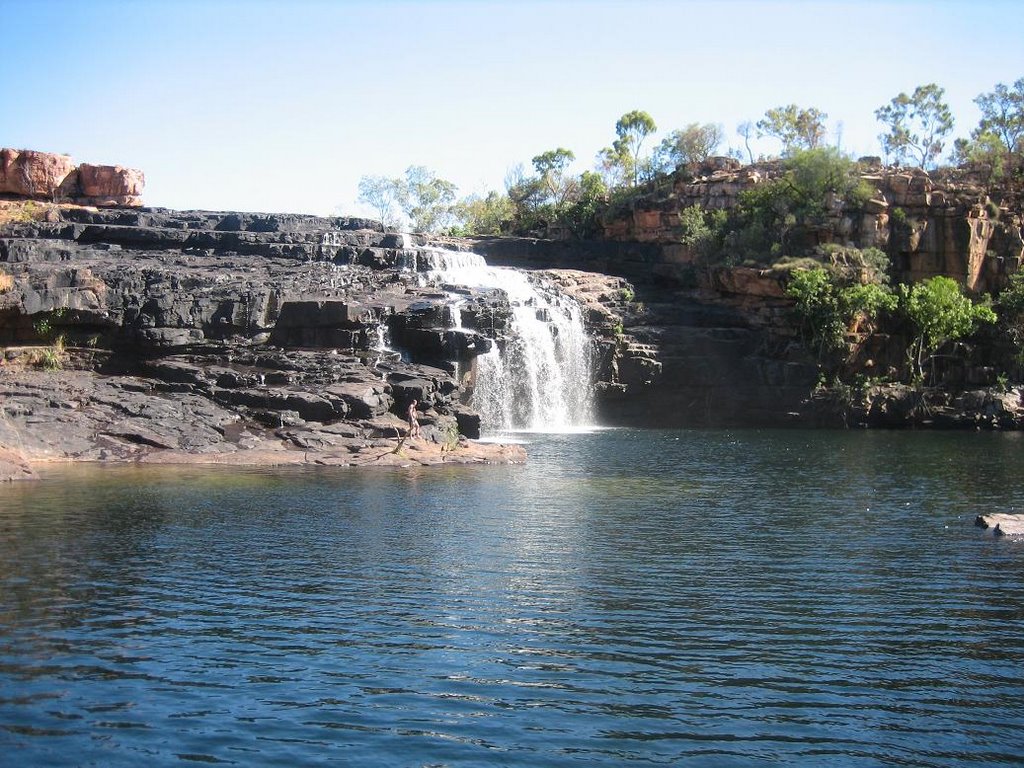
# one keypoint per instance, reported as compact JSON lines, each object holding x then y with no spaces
{"x":522,"y":436}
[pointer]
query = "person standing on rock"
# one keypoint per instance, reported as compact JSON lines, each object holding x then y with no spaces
{"x":414,"y":425}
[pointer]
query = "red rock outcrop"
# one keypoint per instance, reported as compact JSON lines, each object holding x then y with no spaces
{"x":928,"y":226}
{"x":46,"y":176}
{"x":26,"y":173}
{"x":111,"y":184}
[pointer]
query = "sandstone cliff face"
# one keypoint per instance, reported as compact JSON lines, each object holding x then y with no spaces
{"x":45,"y":176}
{"x":928,"y":227}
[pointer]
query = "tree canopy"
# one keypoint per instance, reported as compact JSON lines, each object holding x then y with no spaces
{"x":693,"y":144}
{"x":632,"y":129}
{"x":1002,"y":114}
{"x":427,"y":201}
{"x":918,"y":124}
{"x":796,"y":128}
{"x":939,"y":312}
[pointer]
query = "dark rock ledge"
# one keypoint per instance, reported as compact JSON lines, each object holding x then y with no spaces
{"x":148,"y":335}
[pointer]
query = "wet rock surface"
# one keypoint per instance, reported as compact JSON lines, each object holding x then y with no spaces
{"x":670,"y":356}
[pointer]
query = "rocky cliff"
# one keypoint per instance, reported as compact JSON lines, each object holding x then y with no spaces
{"x":140,"y":334}
{"x":698,"y":343}
{"x":941,"y":225}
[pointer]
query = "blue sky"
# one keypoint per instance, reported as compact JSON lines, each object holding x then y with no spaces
{"x":282,"y":106}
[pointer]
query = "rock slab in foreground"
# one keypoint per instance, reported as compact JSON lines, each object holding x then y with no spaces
{"x":1002,"y":524}
{"x":13,"y":466}
{"x":51,"y":417}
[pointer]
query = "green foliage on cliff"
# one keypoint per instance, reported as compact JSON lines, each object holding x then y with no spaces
{"x":828,"y":307}
{"x":487,"y":215}
{"x":938,"y":313}
{"x":703,"y":231}
{"x":772,"y":217}
{"x":832,"y":301}
{"x":552,"y":199}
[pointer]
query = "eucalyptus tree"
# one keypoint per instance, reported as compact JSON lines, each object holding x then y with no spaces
{"x":796,"y":128}
{"x":918,"y":124}
{"x":383,"y":195}
{"x":428,"y":201}
{"x":551,"y":169}
{"x":632,"y":130}
{"x":1002,"y":114}
{"x":746,"y":130}
{"x":693,"y":144}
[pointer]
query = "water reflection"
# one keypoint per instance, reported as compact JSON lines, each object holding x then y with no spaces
{"x":658,"y":598}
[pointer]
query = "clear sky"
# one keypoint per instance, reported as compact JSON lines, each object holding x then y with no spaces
{"x":283,"y":105}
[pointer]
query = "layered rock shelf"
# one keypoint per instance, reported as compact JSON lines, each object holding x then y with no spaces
{"x":149,"y":335}
{"x":142,"y":334}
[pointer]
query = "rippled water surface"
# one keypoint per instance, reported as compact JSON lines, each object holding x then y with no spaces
{"x":625,"y":598}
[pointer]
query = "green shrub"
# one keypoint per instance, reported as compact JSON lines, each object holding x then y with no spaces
{"x":49,"y":358}
{"x":827,"y":308}
{"x":19,"y":212}
{"x":770,"y":217}
{"x":702,"y":230}
{"x":939,"y":313}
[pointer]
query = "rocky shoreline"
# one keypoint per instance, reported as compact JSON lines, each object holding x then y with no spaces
{"x":82,"y":416}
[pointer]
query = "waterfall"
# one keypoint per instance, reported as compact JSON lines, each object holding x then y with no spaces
{"x":539,"y":378}
{"x":380,"y":345}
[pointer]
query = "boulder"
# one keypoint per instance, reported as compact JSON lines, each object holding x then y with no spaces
{"x":13,"y":466}
{"x":27,"y":173}
{"x":362,"y":400}
{"x":413,"y":389}
{"x":1001,"y":524}
{"x":111,"y":184}
{"x":47,"y":176}
{"x":468,"y":422}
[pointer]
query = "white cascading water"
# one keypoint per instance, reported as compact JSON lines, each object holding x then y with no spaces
{"x":539,"y":379}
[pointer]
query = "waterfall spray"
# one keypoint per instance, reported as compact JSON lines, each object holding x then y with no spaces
{"x":539,"y":378}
